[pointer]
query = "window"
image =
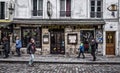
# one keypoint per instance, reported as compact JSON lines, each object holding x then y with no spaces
{"x":65,"y":8}
{"x":31,"y":32}
{"x":96,"y":9}
{"x":37,"y":8}
{"x":2,"y":10}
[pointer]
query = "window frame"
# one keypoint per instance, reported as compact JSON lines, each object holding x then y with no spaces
{"x":4,"y":17}
{"x":95,"y":9}
{"x":65,"y":9}
{"x":38,"y":8}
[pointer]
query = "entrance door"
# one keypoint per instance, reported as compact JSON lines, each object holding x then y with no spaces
{"x":57,"y":42}
{"x":110,"y":43}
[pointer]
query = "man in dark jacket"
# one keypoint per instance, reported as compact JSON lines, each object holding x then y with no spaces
{"x":93,"y":49}
{"x":31,"y":50}
{"x":6,"y":47}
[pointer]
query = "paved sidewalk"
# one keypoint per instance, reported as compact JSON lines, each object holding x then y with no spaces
{"x":64,"y":59}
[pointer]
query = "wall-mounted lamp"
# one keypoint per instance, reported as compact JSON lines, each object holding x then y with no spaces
{"x":99,"y":26}
{"x":11,"y":8}
{"x":49,"y":9}
{"x":112,"y":8}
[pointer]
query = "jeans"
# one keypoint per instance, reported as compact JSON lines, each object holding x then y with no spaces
{"x":94,"y":56}
{"x":80,"y":54}
{"x":31,"y":59}
{"x":18,"y":51}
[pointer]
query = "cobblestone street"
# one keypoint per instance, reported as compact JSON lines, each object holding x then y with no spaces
{"x":58,"y":68}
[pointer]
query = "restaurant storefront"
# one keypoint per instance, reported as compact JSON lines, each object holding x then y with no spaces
{"x":60,"y":36}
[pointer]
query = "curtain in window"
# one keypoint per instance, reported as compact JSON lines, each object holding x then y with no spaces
{"x":40,"y":7}
{"x":68,"y":7}
{"x":34,"y":7}
{"x":62,"y":7}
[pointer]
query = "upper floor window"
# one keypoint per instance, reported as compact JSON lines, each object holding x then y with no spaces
{"x":2,"y":10}
{"x":37,"y":8}
{"x":96,"y":9}
{"x":65,"y":8}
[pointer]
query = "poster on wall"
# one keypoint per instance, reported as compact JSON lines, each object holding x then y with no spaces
{"x":99,"y":36}
{"x":72,"y":39}
{"x":46,"y":39}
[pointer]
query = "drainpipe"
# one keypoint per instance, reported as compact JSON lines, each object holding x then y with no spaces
{"x":118,"y":29}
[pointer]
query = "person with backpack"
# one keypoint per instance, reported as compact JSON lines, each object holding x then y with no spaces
{"x":31,"y":50}
{"x":81,"y":50}
{"x":18,"y":46}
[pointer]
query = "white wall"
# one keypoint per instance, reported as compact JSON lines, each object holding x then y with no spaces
{"x":22,"y":9}
{"x":111,"y":26}
{"x":79,"y":9}
{"x":106,"y":12}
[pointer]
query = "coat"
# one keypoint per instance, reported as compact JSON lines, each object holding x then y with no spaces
{"x":6,"y":46}
{"x":93,"y":46}
{"x":18,"y":44}
{"x":81,"y":47}
{"x":31,"y":48}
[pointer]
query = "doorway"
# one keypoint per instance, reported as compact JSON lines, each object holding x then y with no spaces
{"x":57,"y":41}
{"x":110,"y":43}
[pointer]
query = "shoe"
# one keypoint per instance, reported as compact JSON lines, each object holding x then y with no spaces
{"x":30,"y":65}
{"x":94,"y":59}
{"x":4,"y":57}
{"x":18,"y":55}
{"x":78,"y":57}
{"x":83,"y":57}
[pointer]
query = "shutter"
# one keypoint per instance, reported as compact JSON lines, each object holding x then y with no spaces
{"x":6,"y":10}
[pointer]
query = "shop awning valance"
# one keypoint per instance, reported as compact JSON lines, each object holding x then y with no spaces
{"x":60,"y":21}
{"x":4,"y":24}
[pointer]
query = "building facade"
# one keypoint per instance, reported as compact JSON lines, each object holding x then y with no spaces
{"x":6,"y":12}
{"x":59,"y":26}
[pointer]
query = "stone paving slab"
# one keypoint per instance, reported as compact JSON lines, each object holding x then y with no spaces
{"x":63,"y":59}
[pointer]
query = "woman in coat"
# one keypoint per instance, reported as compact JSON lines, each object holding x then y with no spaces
{"x":18,"y":46}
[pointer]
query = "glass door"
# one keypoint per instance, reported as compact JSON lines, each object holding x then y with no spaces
{"x":57,"y":42}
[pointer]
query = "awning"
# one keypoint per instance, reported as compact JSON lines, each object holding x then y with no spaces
{"x":60,"y":21}
{"x":4,"y":24}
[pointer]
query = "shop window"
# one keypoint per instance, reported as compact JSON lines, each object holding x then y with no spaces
{"x":85,"y":37}
{"x":28,"y":33}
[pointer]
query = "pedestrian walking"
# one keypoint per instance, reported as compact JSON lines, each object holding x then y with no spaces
{"x":31,"y":50}
{"x":18,"y":46}
{"x":81,"y":50}
{"x":6,"y":47}
{"x":93,"y":49}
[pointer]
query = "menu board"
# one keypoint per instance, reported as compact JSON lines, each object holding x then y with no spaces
{"x":72,"y":38}
{"x":46,"y":39}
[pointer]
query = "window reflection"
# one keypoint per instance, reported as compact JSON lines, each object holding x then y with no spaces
{"x":28,"y":33}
